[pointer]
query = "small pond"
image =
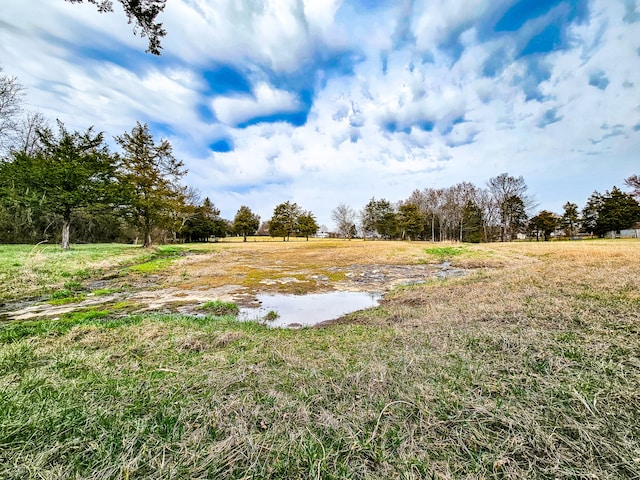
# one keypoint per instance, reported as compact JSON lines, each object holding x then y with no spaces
{"x":307,"y":310}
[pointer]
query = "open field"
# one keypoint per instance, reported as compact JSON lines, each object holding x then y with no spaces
{"x":527,"y":366}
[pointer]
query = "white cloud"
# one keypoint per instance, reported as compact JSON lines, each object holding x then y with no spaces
{"x":435,"y":20}
{"x":274,"y":34}
{"x":265,"y":101}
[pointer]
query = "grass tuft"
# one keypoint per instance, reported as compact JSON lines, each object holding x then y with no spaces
{"x":219,"y":308}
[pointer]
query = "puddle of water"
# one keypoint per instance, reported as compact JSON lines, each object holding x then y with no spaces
{"x":308,"y":310}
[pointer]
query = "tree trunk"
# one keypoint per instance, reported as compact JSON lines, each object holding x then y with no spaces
{"x":244,"y":236}
{"x":66,"y":226}
{"x":433,"y":228}
{"x":146,"y":230}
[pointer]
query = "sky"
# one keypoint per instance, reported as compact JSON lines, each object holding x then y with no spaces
{"x":324,"y":102}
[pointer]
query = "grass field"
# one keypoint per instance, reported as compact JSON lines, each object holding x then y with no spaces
{"x":528,"y":368}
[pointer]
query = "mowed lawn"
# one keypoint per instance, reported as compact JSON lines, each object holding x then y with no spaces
{"x":528,"y":367}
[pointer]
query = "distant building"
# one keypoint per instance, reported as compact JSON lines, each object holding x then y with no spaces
{"x":633,"y":232}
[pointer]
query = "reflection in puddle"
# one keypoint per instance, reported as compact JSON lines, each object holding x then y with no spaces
{"x":307,"y":310}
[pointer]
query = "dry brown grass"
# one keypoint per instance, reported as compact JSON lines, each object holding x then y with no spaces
{"x":250,"y":264}
{"x":550,"y":282}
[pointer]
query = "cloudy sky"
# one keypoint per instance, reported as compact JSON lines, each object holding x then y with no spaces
{"x":325,"y":102}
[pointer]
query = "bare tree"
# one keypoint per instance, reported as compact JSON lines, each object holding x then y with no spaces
{"x":633,"y":182}
{"x":488,"y":206}
{"x":505,"y":189}
{"x":345,"y":218}
{"x":455,"y":198}
{"x":11,"y":96}
{"x":26,"y":138}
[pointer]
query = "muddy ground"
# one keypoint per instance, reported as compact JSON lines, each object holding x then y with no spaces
{"x":237,"y":275}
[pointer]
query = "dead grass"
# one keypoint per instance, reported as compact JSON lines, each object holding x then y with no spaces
{"x":263,"y":265}
{"x":548,"y":283}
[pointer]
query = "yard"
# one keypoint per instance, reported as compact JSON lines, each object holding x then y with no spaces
{"x":525,"y":365}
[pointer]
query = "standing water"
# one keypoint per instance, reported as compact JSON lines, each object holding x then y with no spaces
{"x":307,"y":310}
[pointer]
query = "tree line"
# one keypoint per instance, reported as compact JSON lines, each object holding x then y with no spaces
{"x":501,"y":211}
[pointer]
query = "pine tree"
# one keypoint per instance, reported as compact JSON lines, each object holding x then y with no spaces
{"x":284,"y":221}
{"x":307,"y":224}
{"x":570,"y":218}
{"x":245,"y":222}
{"x":152,"y":177}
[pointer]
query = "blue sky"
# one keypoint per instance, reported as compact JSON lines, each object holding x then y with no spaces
{"x":325,"y":102}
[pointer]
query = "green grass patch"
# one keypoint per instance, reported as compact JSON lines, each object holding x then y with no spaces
{"x":61,"y":294}
{"x":105,"y":291}
{"x":334,"y":276}
{"x":31,"y":271}
{"x":73,"y":285}
{"x":67,"y":300}
{"x":219,"y":308}
{"x":466,"y":252}
{"x":157,"y":260}
{"x":69,"y":294}
{"x":445,"y":253}
{"x":153,"y":266}
{"x":18,"y":330}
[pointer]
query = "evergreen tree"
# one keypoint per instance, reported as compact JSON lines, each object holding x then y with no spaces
{"x":379,"y":216}
{"x":71,"y":171}
{"x":619,"y":210}
{"x":514,"y":216}
{"x":284,"y":221}
{"x":202,"y":224}
{"x":410,"y":221}
{"x":221,"y":227}
{"x":544,"y":223}
{"x":570,"y":219}
{"x":591,"y":212}
{"x":611,"y":211}
{"x":245,"y":222}
{"x":152,"y":175}
{"x":472,"y":223}
{"x":307,"y":224}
